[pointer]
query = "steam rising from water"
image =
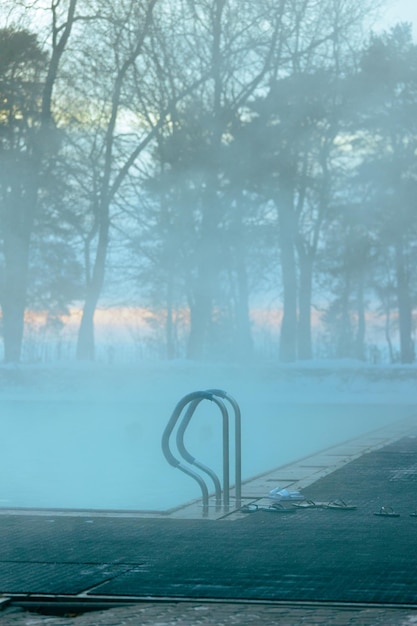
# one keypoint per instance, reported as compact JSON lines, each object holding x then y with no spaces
{"x":92,"y":438}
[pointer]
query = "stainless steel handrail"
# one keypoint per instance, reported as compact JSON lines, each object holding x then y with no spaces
{"x":190,"y":459}
{"x":238,"y":441}
{"x":192,"y":400}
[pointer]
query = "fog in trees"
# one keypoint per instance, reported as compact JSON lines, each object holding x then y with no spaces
{"x":202,"y":159}
{"x":235,"y":180}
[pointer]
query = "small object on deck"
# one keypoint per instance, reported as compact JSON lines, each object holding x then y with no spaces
{"x":249,"y":508}
{"x":387,"y":511}
{"x":273,"y":508}
{"x":340,"y":505}
{"x":310,"y":504}
{"x":277,"y":507}
{"x":285,"y":495}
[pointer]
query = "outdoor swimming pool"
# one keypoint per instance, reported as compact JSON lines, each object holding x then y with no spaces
{"x":103,"y":451}
{"x":85,"y":462}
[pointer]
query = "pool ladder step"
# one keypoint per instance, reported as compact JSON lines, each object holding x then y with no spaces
{"x":187,"y":463}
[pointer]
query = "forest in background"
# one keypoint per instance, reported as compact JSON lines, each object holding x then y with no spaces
{"x":197,"y":157}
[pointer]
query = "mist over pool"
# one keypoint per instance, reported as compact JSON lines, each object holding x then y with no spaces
{"x":90,"y":437}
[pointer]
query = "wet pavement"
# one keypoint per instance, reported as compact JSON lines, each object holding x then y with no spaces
{"x":316,"y":565}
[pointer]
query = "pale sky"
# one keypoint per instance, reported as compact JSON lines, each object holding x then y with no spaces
{"x":401,"y":11}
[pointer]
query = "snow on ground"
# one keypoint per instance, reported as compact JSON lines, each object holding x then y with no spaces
{"x":90,"y":436}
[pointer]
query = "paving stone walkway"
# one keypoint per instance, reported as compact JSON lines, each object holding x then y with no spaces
{"x":195,"y":614}
{"x":317,"y":560}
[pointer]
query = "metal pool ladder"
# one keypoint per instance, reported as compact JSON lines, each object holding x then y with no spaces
{"x":182,"y":415}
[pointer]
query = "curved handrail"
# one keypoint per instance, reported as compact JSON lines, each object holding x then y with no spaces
{"x":172,"y":460}
{"x":188,"y":457}
{"x":193,"y":400}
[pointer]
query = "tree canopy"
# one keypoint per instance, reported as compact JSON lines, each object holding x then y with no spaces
{"x":204,"y":153}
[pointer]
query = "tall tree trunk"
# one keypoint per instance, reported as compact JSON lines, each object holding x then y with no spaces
{"x":288,"y":335}
{"x":170,"y":325}
{"x":361,"y":329}
{"x":243,"y":325}
{"x":388,"y":334}
{"x":108,"y":189}
{"x":85,"y":340}
{"x":201,"y":308}
{"x":201,"y":311}
{"x":200,"y":318}
{"x":304,"y":300}
{"x":22,"y":202}
{"x":407,"y":354}
{"x":16,"y":252}
{"x":18,"y":225}
{"x":244,"y":348}
{"x":345,"y":329}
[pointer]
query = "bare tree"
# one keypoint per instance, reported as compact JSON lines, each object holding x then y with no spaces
{"x":231,"y":46}
{"x":29,"y":144}
{"x":300,"y":117}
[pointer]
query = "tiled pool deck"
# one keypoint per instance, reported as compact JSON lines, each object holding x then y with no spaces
{"x":315,"y":566}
